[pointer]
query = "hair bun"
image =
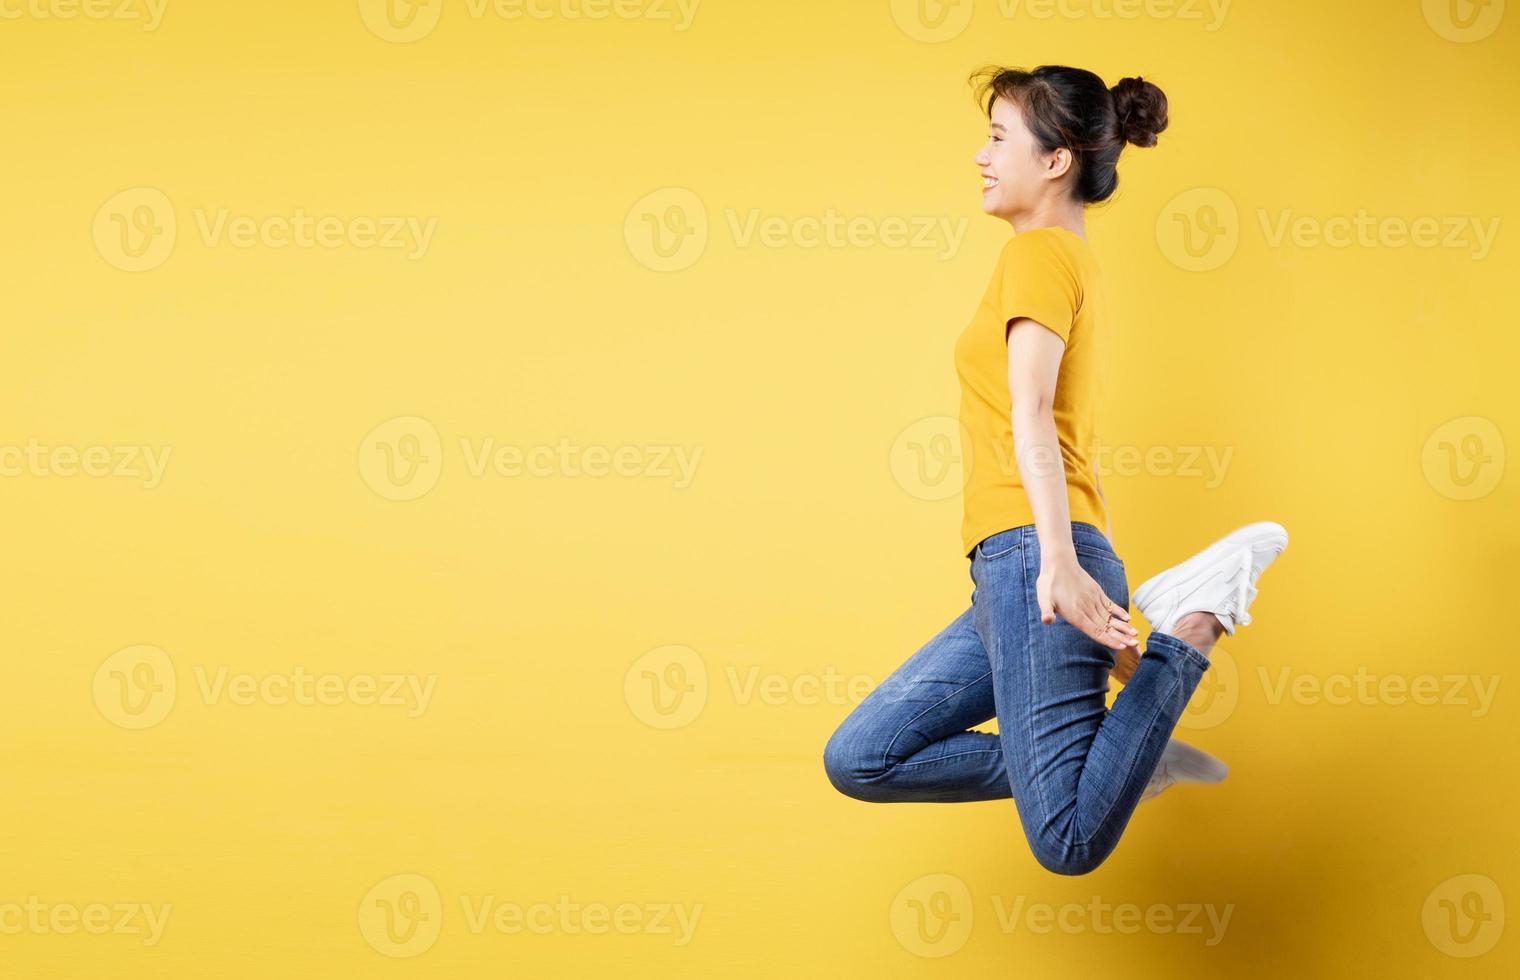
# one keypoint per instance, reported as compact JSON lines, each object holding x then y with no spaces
{"x":1141,"y":110}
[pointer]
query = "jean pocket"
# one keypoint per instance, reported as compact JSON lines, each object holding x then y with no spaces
{"x":1097,"y":553}
{"x":1000,"y":545}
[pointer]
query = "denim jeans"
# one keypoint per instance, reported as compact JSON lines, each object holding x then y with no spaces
{"x":1074,"y":767}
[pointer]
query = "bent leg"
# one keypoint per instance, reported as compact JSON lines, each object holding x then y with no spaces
{"x":907,"y":740}
{"x":1076,"y":767}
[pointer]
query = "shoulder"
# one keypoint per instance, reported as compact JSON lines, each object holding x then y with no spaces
{"x":1043,"y":253}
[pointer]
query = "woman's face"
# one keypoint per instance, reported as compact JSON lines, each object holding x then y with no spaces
{"x":1015,"y":175}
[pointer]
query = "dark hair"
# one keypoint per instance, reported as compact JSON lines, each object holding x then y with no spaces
{"x":1071,"y":107}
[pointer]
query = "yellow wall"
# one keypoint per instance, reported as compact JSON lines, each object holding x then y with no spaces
{"x":740,"y":486}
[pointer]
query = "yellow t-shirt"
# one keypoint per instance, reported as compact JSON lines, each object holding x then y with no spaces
{"x":1051,"y":276}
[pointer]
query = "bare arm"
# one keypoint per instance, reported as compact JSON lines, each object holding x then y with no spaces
{"x":1034,"y":362}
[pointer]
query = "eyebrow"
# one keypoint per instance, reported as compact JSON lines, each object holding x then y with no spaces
{"x":998,"y":126}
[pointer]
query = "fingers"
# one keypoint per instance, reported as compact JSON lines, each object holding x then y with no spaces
{"x":1112,"y":633}
{"x":1117,"y":609}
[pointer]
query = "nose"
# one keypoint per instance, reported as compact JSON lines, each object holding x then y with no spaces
{"x":982,"y":159}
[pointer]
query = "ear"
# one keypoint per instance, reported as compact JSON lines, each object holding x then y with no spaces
{"x":1058,"y":164}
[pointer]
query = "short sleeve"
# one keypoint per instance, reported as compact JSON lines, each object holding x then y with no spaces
{"x":1038,"y":280}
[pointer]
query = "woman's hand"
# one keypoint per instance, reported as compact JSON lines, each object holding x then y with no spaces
{"x":1064,"y":587}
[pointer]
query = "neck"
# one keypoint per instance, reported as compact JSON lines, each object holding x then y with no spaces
{"x":1068,"y":216}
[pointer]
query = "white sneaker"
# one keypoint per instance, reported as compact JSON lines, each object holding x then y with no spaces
{"x":1181,"y":763}
{"x":1220,"y":579}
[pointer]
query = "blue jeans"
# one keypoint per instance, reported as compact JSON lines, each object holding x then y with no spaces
{"x":1074,"y":767}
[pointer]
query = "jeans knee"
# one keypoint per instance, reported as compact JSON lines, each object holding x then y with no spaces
{"x":847,"y":769}
{"x":1065,"y":859}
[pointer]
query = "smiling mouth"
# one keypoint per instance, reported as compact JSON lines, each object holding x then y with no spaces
{"x":988,"y":182}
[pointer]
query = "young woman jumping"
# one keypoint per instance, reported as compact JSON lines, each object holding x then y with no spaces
{"x":1049,"y":618}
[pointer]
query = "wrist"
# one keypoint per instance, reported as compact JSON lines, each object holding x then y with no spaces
{"x":1058,"y":556}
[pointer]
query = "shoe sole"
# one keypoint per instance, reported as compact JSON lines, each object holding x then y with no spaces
{"x":1196,"y":765}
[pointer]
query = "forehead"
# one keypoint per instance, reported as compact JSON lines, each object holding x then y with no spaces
{"x":1006,"y":114}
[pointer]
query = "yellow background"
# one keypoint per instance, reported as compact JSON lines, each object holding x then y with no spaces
{"x":799,"y":550}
